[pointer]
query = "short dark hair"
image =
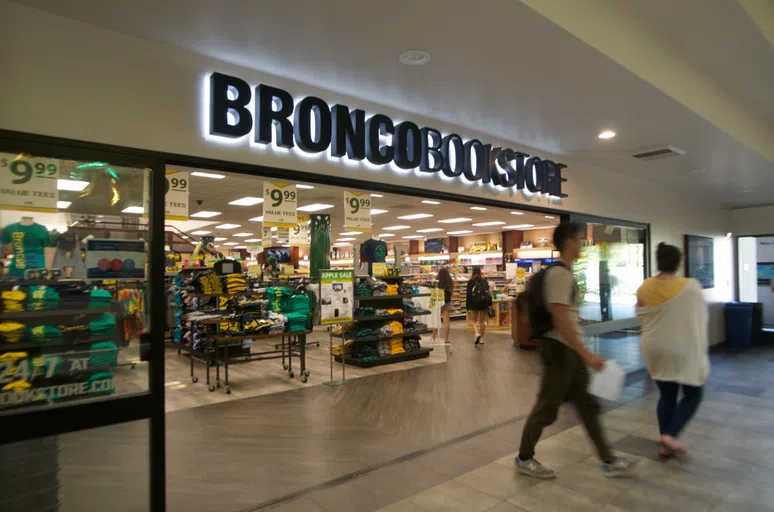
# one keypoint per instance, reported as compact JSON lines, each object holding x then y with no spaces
{"x":564,"y":232}
{"x":668,"y":258}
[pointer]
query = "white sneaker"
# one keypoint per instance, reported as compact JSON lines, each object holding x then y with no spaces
{"x":535,"y":469}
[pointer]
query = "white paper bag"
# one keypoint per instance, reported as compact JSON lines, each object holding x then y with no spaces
{"x":608,"y":383}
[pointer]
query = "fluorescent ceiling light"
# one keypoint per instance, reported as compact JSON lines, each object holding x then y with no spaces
{"x":307,"y":187}
{"x":385,"y":235}
{"x":133,"y":209}
{"x":492,"y":223}
{"x":342,"y":244}
{"x":550,"y":217}
{"x":286,"y":245}
{"x":63,"y":204}
{"x":316,"y":207}
{"x":240,"y":247}
{"x":257,"y":219}
{"x":464,"y":232}
{"x":71,"y":185}
{"x":242,"y":235}
{"x":184,"y":237}
{"x":431,"y":202}
{"x":347,"y":233}
{"x":253,"y":240}
{"x":208,"y":175}
{"x":430,"y":230}
{"x":231,"y":243}
{"x":220,"y":238}
{"x":456,"y":220}
{"x":376,"y":195}
{"x":200,"y":233}
{"x":519,"y":226}
{"x":377,"y":211}
{"x":346,"y":239}
{"x":275,"y":228}
{"x":227,"y":226}
{"x":607,"y":134}
{"x":479,"y":208}
{"x":517,"y":213}
{"x":415,"y":216}
{"x":412,"y":236}
{"x":396,"y":228}
{"x":247,"y":201}
{"x":205,"y":214}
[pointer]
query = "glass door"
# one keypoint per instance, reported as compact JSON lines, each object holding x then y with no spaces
{"x":81,"y":328}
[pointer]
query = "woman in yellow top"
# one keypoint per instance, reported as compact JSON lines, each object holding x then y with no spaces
{"x":674,"y":344}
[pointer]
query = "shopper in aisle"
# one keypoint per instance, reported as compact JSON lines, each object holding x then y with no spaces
{"x":674,"y":344}
{"x":554,"y":296}
{"x":478,"y":302}
{"x":446,"y":284}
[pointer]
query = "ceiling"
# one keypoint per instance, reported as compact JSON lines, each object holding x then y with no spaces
{"x":514,"y":73}
{"x":215,"y":195}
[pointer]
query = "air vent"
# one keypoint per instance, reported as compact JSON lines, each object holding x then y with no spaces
{"x":659,"y":152}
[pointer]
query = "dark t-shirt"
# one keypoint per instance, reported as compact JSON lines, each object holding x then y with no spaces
{"x":373,"y":251}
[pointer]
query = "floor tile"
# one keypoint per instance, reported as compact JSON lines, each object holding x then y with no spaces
{"x":402,"y":506}
{"x":740,"y":390}
{"x":498,"y":480}
{"x":551,"y":497}
{"x":454,"y":495}
{"x":505,"y":507}
{"x":637,"y":445}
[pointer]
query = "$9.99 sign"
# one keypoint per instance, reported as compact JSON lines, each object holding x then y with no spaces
{"x":28,"y":183}
{"x":357,"y":211}
{"x":279,"y":204}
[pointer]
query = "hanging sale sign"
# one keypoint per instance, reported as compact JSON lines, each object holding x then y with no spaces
{"x":28,"y":183}
{"x":357,"y":211}
{"x":299,"y":235}
{"x":279,"y":204}
{"x":175,"y":194}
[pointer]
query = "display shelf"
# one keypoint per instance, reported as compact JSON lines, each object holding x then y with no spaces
{"x":28,"y":345}
{"x":194,"y":294}
{"x":384,"y":297}
{"x":210,"y":321}
{"x":255,"y":337}
{"x":407,"y":356}
{"x":26,"y":315}
{"x":376,"y":318}
{"x":372,"y":339}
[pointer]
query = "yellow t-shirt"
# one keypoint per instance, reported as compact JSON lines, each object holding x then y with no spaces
{"x":658,"y":291}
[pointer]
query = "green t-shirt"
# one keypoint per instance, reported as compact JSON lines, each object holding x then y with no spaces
{"x":27,"y":243}
{"x":271,"y":262}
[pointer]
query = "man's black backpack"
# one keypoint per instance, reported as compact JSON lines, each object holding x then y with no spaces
{"x":534,"y":300}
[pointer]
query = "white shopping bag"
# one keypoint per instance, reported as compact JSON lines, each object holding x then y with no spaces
{"x":608,"y":383}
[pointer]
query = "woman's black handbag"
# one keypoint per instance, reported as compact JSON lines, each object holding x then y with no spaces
{"x":490,"y":311}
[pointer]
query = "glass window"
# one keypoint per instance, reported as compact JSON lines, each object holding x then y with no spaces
{"x":609,"y":272}
{"x":74,"y":275}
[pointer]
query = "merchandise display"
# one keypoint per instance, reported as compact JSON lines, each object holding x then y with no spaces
{"x":27,"y":239}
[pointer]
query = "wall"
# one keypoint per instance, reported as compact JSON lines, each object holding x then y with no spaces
{"x":78,"y":81}
{"x":753,"y":221}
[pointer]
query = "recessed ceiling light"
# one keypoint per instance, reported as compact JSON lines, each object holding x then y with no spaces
{"x":71,"y":185}
{"x":346,"y":239}
{"x":133,"y":209}
{"x":208,"y":175}
{"x":431,"y":202}
{"x":519,"y":226}
{"x":463,"y":232}
{"x":456,"y":220}
{"x":201,"y":233}
{"x":347,"y":233}
{"x":242,"y":235}
{"x":205,"y":214}
{"x":517,"y":213}
{"x":63,"y":204}
{"x":240,"y":247}
{"x":415,"y":216}
{"x":376,"y":195}
{"x":412,"y":237}
{"x":316,"y":207}
{"x":377,"y":211}
{"x":414,"y":58}
{"x":257,"y":219}
{"x":607,"y":134}
{"x":479,"y":208}
{"x":396,"y":228}
{"x":227,"y":226}
{"x":385,"y":235}
{"x":220,"y":238}
{"x":492,"y":223}
{"x":253,"y":240}
{"x":550,"y":217}
{"x":342,"y":244}
{"x":698,"y":170}
{"x":184,"y":237}
{"x":274,"y":228}
{"x":231,"y":243}
{"x":247,"y":201}
{"x":307,"y":187}
{"x":429,"y":230}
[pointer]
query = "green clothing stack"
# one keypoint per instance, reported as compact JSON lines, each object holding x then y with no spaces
{"x":102,"y":354}
{"x":42,"y":298}
{"x":296,"y":322}
{"x":103,"y":326}
{"x":279,"y":299}
{"x":100,"y":299}
{"x":44,"y":333}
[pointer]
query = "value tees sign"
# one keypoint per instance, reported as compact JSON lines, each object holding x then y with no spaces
{"x":347,"y":133}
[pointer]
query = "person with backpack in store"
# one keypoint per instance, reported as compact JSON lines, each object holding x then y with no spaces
{"x":553,"y":307}
{"x":478,"y":302}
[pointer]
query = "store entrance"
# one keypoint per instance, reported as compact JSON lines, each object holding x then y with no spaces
{"x":81,"y":361}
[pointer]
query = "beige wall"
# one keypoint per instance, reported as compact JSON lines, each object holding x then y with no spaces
{"x":69,"y":79}
{"x":753,"y":221}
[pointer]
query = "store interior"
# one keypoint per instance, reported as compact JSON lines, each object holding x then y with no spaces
{"x":236,"y":328}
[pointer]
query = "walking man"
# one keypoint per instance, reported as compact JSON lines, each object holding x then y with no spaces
{"x":565,"y":358}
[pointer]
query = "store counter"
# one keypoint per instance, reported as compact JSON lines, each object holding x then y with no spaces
{"x":502,"y":319}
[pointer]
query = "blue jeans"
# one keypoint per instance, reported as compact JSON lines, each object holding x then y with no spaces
{"x":673,"y":416}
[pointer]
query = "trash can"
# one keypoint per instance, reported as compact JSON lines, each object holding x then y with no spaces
{"x":743,"y":329}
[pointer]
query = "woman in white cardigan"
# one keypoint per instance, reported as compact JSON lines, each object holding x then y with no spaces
{"x":674,"y":344}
